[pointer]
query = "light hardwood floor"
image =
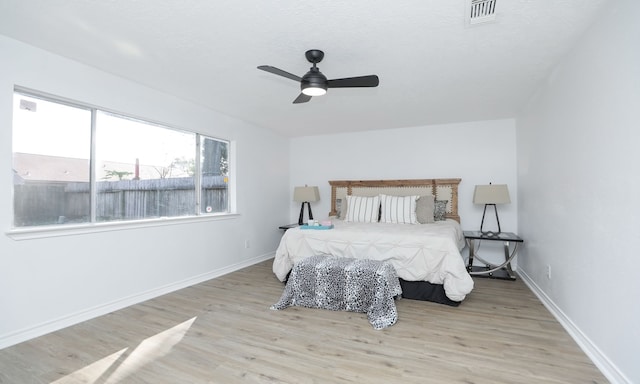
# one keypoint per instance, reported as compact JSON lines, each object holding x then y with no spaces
{"x":222,"y":331}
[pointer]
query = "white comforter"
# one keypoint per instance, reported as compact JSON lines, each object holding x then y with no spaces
{"x":422,"y":252}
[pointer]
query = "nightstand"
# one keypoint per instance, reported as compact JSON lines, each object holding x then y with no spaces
{"x":502,"y":271}
{"x":288,"y":226}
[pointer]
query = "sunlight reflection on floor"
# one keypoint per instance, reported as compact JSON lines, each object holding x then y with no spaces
{"x":118,"y":366}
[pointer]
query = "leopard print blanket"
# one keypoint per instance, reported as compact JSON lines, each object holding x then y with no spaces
{"x":338,"y":283}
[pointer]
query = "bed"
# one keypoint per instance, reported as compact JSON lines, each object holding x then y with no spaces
{"x":377,"y":220}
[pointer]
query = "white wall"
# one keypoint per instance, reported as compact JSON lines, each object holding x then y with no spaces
{"x":578,"y":166}
{"x":49,"y":283}
{"x":477,"y":152}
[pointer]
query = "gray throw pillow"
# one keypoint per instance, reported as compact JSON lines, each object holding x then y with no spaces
{"x":341,"y":208}
{"x":425,"y":207}
{"x":440,"y":210}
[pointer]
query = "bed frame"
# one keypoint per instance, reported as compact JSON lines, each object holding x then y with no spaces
{"x":442,"y":189}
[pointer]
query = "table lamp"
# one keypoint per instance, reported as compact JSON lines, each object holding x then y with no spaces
{"x":305,"y":195}
{"x":491,"y":194}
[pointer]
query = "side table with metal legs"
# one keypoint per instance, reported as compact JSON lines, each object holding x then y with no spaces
{"x":501,"y":271}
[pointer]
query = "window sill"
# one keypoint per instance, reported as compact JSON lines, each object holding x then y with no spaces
{"x":81,"y":229}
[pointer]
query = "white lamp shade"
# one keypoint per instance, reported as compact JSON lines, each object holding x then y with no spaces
{"x":491,"y":194}
{"x":302,"y":194}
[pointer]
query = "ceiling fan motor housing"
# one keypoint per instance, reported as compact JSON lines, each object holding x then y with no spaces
{"x":314,"y":83}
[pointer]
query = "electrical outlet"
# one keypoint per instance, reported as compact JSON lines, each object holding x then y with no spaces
{"x":548,"y":271}
{"x":246,"y":243}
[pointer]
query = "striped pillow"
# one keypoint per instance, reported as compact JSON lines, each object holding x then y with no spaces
{"x":361,"y":209}
{"x":398,"y":209}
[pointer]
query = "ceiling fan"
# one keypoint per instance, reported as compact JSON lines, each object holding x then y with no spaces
{"x":314,"y":83}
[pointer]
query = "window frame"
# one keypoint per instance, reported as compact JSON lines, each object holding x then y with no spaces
{"x":93,"y":226}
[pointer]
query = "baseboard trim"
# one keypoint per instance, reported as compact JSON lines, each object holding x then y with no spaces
{"x":25,"y":334}
{"x":608,"y":369}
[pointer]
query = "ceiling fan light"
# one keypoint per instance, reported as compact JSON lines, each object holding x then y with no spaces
{"x":313,"y":83}
{"x":314,"y":91}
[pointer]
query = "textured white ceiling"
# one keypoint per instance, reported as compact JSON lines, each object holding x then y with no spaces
{"x":433,"y":68}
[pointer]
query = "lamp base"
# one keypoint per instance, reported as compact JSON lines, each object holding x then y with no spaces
{"x":490,"y":233}
{"x":301,"y":217}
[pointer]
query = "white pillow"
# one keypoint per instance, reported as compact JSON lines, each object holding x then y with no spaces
{"x":398,"y":209}
{"x":361,"y":209}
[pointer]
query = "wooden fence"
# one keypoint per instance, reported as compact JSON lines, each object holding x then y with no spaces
{"x":46,"y":203}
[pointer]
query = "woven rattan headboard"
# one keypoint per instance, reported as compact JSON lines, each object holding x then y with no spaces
{"x":442,"y":189}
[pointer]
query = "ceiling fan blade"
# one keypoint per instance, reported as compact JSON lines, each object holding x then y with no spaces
{"x":279,"y":72}
{"x":360,"y":81}
{"x":302,"y":98}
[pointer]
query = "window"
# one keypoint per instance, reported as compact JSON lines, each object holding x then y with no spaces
{"x":77,"y":164}
{"x":51,"y":152}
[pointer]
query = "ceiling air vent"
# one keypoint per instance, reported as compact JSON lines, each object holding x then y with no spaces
{"x":481,"y":11}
